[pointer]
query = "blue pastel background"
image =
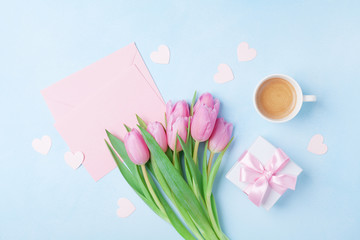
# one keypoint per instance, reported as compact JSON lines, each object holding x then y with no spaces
{"x":316,"y":42}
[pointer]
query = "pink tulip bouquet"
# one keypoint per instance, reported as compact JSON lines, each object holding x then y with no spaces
{"x":155,"y":157}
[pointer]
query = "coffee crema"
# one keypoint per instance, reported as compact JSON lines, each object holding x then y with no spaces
{"x":276,"y":98}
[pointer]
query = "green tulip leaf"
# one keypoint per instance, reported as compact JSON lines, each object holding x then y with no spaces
{"x":194,"y":170}
{"x":189,"y":138}
{"x":141,"y":122}
{"x":124,"y":170}
{"x":173,"y":218}
{"x":143,"y":185}
{"x":176,"y":161}
{"x":204,"y":170}
{"x":119,"y":147}
{"x":188,"y":175}
{"x":179,"y":187}
{"x":128,"y":129}
{"x":192,"y":104}
{"x":133,"y":182}
{"x":213,"y":207}
{"x":164,"y":186}
{"x":215,"y":169}
{"x":186,"y":165}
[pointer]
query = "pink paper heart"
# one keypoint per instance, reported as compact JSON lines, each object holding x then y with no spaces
{"x":162,"y":56}
{"x":316,"y":145}
{"x":126,"y":208}
{"x":224,"y":74}
{"x":42,"y":145}
{"x":245,"y":53}
{"x":74,"y":160}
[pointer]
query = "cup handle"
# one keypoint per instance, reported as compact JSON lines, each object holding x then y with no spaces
{"x":309,"y":98}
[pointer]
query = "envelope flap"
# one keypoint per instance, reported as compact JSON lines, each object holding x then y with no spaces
{"x":62,"y":96}
{"x":139,"y":62}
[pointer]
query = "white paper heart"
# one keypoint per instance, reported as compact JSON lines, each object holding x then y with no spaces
{"x":162,"y":56}
{"x":74,"y":160}
{"x":126,"y":208}
{"x":245,"y":53}
{"x":316,"y":145}
{"x":42,"y":145}
{"x":224,"y":74}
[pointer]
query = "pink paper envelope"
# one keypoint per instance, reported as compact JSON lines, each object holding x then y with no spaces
{"x":72,"y":92}
{"x":68,"y":93}
{"x":116,"y":103}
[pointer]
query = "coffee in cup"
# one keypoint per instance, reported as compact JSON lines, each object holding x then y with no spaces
{"x":278,"y":98}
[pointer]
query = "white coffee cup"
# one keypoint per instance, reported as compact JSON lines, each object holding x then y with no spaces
{"x":300,"y":98}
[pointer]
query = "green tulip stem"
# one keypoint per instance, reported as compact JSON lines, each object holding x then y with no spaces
{"x":176,"y":160}
{"x":210,"y":162}
{"x":196,"y":148}
{"x":212,"y":218}
{"x":156,"y":199}
{"x":179,"y":162}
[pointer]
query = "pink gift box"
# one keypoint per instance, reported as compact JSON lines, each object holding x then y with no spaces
{"x":264,"y":173}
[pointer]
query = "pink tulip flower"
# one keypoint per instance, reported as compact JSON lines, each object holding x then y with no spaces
{"x":157,"y":130}
{"x":220,"y":136}
{"x":177,"y":117}
{"x":136,"y":147}
{"x":203,"y":121}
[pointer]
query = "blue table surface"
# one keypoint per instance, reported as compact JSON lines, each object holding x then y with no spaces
{"x":316,"y":42}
